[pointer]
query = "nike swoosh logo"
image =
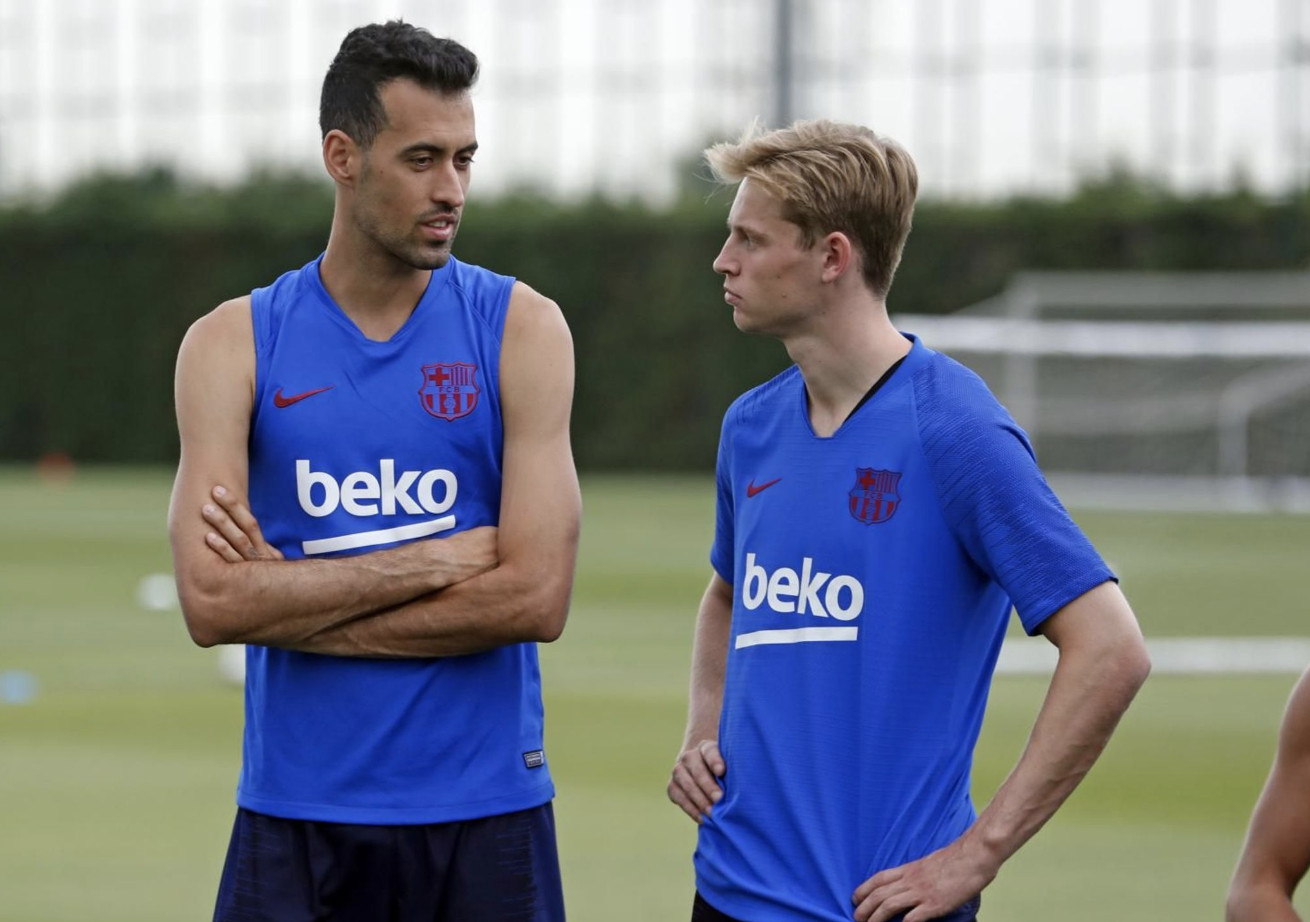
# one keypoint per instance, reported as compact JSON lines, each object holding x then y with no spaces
{"x":752,"y":490}
{"x":280,"y":401}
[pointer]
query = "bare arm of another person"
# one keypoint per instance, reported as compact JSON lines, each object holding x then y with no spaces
{"x":525,"y":597}
{"x":1277,"y":851}
{"x":694,"y":785}
{"x":268,"y":600}
{"x":1103,"y":662}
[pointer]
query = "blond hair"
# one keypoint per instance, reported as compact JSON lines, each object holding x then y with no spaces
{"x":830,"y":177}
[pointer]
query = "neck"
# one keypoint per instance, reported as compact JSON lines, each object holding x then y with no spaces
{"x":371,"y":286}
{"x":842,"y":355}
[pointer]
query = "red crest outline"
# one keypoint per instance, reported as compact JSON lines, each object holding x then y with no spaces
{"x":450,"y":389}
{"x":875,"y":497}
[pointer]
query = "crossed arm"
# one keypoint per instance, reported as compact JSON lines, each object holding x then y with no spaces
{"x":1102,"y":664}
{"x":1277,"y":851}
{"x":445,"y":596}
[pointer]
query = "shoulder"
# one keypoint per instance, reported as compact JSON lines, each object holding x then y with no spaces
{"x":217,"y":358}
{"x":469,"y":275}
{"x":478,"y":284}
{"x":943,"y":385}
{"x":534,"y":316}
{"x":954,"y":407}
{"x":226,"y":327}
{"x":762,"y":400}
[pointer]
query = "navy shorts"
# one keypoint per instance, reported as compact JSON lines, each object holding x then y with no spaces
{"x":496,"y":869}
{"x":702,"y":911}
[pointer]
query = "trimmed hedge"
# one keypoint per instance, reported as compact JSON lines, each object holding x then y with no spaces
{"x":99,"y":285}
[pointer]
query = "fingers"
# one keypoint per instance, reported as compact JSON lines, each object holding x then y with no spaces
{"x":246,"y":521}
{"x":882,"y":878}
{"x":923,"y":890}
{"x":709,"y":750}
{"x":694,"y":784}
{"x":888,"y":901}
{"x":679,"y":797}
{"x":235,"y":527}
{"x":219,"y":545}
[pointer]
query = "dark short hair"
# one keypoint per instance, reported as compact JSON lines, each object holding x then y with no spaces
{"x":371,"y":57}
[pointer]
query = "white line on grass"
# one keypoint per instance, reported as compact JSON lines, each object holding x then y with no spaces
{"x":1177,"y":655}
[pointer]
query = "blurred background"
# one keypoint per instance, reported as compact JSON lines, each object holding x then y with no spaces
{"x":1114,"y":230}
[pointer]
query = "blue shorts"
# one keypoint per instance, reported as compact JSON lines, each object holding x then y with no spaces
{"x":701,"y":911}
{"x":496,"y":869}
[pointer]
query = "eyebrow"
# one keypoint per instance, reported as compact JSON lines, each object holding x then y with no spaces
{"x":745,"y":227}
{"x":425,"y":148}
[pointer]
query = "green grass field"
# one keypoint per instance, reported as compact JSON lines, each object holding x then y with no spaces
{"x":116,"y":780}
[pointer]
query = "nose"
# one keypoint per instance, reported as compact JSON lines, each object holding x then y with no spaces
{"x":448,"y":187}
{"x":723,"y":264}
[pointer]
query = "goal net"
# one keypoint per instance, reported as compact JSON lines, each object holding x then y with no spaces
{"x":1187,"y":390}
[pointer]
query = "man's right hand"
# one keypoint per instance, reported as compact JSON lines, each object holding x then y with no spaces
{"x":695,"y":783}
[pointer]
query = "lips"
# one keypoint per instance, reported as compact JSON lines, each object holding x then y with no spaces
{"x":440,"y":229}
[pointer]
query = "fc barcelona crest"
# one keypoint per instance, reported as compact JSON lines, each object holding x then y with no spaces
{"x":450,"y":389}
{"x":874,"y":498}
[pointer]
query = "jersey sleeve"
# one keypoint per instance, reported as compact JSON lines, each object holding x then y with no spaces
{"x":721,"y":553}
{"x":997,"y":501}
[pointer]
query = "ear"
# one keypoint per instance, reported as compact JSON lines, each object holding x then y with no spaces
{"x":838,"y":256}
{"x":341,"y":157}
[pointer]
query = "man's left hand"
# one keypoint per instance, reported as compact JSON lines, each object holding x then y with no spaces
{"x":928,"y":888}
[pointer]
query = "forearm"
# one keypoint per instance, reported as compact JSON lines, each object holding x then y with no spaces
{"x":283,"y":603}
{"x":709,"y":664}
{"x":1276,"y":852}
{"x":1089,"y":692}
{"x":512,"y":603}
{"x":1256,"y":901}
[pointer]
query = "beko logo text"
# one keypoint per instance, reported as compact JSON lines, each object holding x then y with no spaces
{"x":788,"y":591}
{"x":363,"y":493}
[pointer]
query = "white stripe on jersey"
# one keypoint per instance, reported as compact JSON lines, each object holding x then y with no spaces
{"x":381,"y":536}
{"x":797,"y":635}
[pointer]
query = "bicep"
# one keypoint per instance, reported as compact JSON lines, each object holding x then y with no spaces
{"x":1098,"y":617}
{"x":540,"y":499}
{"x":717,"y":601}
{"x":213,"y":392}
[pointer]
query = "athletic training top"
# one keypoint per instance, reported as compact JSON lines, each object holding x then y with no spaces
{"x":873,"y":574}
{"x":357,"y":445}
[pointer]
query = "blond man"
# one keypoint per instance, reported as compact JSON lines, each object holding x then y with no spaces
{"x":879,"y":514}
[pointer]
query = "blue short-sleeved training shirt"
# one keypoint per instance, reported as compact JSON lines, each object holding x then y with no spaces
{"x":873,"y":574}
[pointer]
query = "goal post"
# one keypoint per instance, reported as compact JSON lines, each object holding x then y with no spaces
{"x":1140,"y":386}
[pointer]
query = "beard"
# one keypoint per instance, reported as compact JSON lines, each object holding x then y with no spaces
{"x":405,"y":243}
{"x":402,"y":239}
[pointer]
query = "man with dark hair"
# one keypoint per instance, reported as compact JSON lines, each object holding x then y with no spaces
{"x":878,"y":515}
{"x":376,"y":495}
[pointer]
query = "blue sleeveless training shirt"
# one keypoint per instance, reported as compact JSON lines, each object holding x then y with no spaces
{"x":357,"y":445}
{"x":873,"y":574}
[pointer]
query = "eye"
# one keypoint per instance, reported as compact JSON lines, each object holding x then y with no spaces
{"x":464,"y":161}
{"x":421,"y":162}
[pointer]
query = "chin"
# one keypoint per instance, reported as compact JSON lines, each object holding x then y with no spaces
{"x":428,"y":258}
{"x":744,"y":323}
